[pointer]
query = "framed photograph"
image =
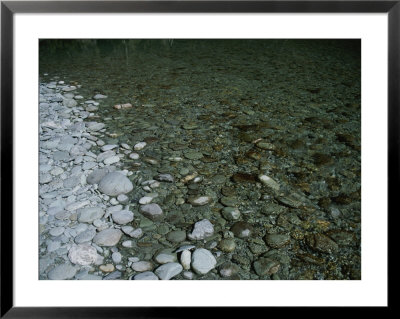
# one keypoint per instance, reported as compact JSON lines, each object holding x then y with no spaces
{"x":159,"y":155}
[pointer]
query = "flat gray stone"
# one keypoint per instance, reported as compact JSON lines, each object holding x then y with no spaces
{"x":85,"y":236}
{"x":168,"y":271}
{"x":203,"y":261}
{"x":89,"y":214}
{"x":122,"y":217}
{"x":108,"y":237}
{"x":152,"y":211}
{"x":96,"y":176}
{"x":114,"y":184}
{"x":202,"y":229}
{"x":148,"y":275}
{"x":62,"y":272}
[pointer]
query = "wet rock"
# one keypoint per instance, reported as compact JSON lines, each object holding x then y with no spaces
{"x":268,"y":181}
{"x":193,"y":155}
{"x":99,"y":96}
{"x":321,"y":243}
{"x":164,"y":178}
{"x":266,"y":266}
{"x":202,"y":229}
{"x":265,"y":146}
{"x":114,"y":184}
{"x":227,"y":245}
{"x":230,"y":213}
{"x":108,"y":237}
{"x":168,"y":271}
{"x":277,"y":240}
{"x":203,"y":261}
{"x":151,"y":211}
{"x":228,"y":269}
{"x":116,"y":257}
{"x":228,"y":201}
{"x":62,"y":272}
{"x":199,"y":201}
{"x":242,"y":229}
{"x":244,"y":178}
{"x":176,"y":236}
{"x":139,"y":146}
{"x":94,"y":126}
{"x":113,"y":276}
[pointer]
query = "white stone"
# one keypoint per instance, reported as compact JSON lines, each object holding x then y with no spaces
{"x":139,"y":146}
{"x":186,"y":259}
{"x":145,"y":200}
{"x":114,"y":184}
{"x":134,"y":156}
{"x":268,"y":181}
{"x":111,"y":160}
{"x":202,"y":229}
{"x":82,"y":254}
{"x":203,"y":261}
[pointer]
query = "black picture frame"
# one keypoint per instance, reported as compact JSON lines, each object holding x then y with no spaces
{"x":9,"y":8}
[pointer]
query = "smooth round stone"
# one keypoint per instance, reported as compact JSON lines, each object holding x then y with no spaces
{"x":114,"y":184}
{"x":108,"y":237}
{"x":176,"y":236}
{"x":94,"y":126}
{"x":139,"y":146}
{"x":266,"y":266}
{"x":125,"y":146}
{"x":88,"y":165}
{"x":277,"y":240}
{"x":83,"y":254}
{"x":227,"y":245}
{"x":45,"y":178}
{"x":108,"y":147}
{"x":57,"y":231}
{"x":188,"y":275}
{"x":137,"y":233}
{"x":230,"y":213}
{"x":122,"y":217}
{"x":265,"y":146}
{"x":168,"y":271}
{"x":62,"y":272}
{"x":134,"y":156}
{"x":127,"y":244}
{"x":89,"y":214}
{"x":85,"y":236}
{"x":229,"y":201}
{"x":268,"y":181}
{"x":111,"y":160}
{"x":203,"y":261}
{"x":70,"y":103}
{"x":193,"y":155}
{"x":56,"y":171}
{"x":141,"y":266}
{"x":145,"y":200}
{"x":202,"y":229}
{"x":107,"y":268}
{"x":151,"y":211}
{"x":242,"y":229}
{"x":185,"y":259}
{"x":148,"y":275}
{"x":122,"y":198}
{"x":99,"y":96}
{"x":199,"y":201}
{"x":72,"y":181}
{"x":164,"y":258}
{"x":96,"y":176}
{"x":116,"y":257}
{"x":228,"y":269}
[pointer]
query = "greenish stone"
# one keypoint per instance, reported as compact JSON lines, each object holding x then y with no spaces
{"x":193,"y":155}
{"x":228,"y":201}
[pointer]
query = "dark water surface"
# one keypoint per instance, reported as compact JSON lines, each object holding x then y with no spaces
{"x":234,"y":110}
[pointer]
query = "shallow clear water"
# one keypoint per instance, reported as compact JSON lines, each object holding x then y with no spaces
{"x":232,"y":110}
